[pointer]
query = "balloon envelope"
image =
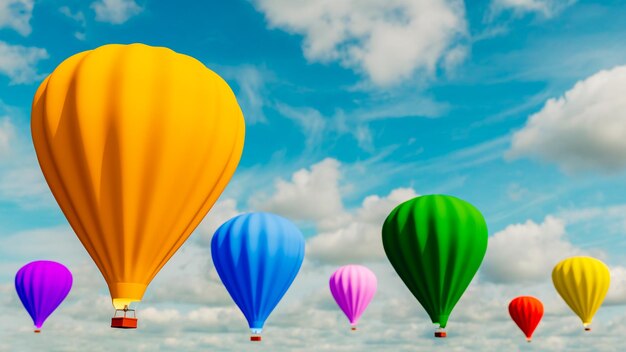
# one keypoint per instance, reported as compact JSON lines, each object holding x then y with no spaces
{"x":257,"y":256}
{"x":583,"y":283}
{"x":42,"y":285}
{"x":436,"y":244}
{"x":526,"y":312}
{"x":136,"y":144}
{"x":353,"y":287}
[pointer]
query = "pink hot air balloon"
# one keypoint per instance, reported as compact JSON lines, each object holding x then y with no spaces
{"x":353,"y":287}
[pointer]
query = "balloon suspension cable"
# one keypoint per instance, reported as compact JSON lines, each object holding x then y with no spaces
{"x":441,"y":333}
{"x":255,"y":338}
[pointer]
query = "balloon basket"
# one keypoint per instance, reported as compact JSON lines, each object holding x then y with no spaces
{"x":255,"y":338}
{"x":124,"y":322}
{"x":587,"y":328}
{"x":353,"y":328}
{"x":441,"y":334}
{"x":37,"y":331}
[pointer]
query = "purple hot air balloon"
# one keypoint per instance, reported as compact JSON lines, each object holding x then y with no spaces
{"x":353,"y":287}
{"x":42,"y":285}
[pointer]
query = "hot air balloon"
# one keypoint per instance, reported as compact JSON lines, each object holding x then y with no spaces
{"x":257,"y":257}
{"x":353,"y":287}
{"x":42,"y":285}
{"x":136,"y":144}
{"x":526,"y":312}
{"x":436,"y":244}
{"x":583,"y":283}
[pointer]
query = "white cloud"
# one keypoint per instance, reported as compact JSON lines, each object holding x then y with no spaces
{"x":314,"y":195}
{"x":187,"y":308}
{"x":56,"y":243}
{"x":162,"y":316}
{"x":311,"y":121}
{"x":115,"y":11}
{"x":79,"y":18}
{"x":547,"y":8}
{"x":391,"y":104}
{"x":26,"y":187}
{"x":311,"y":195}
{"x":16,"y":14}
{"x":387,"y":40}
{"x":251,"y":82}
{"x":527,"y":252}
{"x":586,"y":214}
{"x":516,"y":192}
{"x":19,"y":62}
{"x":7,"y":133}
{"x":582,"y":130}
{"x":359,"y":231}
{"x":222,"y":211}
{"x":617,"y":289}
{"x":190,"y":276}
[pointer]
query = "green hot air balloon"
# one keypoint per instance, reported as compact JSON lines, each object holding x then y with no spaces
{"x":436,"y":244}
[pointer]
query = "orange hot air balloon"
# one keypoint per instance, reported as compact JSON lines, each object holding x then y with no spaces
{"x":136,"y":144}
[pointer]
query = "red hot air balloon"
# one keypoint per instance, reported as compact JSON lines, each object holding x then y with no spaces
{"x":526,"y":312}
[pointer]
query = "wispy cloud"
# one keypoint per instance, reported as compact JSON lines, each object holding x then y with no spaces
{"x":25,"y":187}
{"x":19,"y":62}
{"x":79,"y":18}
{"x":251,"y":82}
{"x":7,"y":133}
{"x":547,"y":8}
{"x":356,"y":122}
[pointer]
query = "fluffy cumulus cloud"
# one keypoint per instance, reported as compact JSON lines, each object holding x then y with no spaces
{"x":314,"y":196}
{"x":222,"y":210}
{"x":311,"y":194}
{"x":547,"y":8}
{"x":19,"y":62}
{"x":115,"y":11}
{"x":358,"y":230}
{"x":617,"y":290}
{"x":186,"y":308}
{"x":16,"y":14}
{"x":527,"y":252}
{"x":582,"y":130}
{"x":387,"y":40}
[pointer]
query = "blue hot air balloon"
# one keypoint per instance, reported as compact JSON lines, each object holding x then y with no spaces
{"x":257,"y":256}
{"x":42,"y":285}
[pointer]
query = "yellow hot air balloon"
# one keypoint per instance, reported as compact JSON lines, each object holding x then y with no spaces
{"x":583,"y":283}
{"x":136,"y":143}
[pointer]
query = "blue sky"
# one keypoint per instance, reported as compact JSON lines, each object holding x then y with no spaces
{"x":352,"y":107}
